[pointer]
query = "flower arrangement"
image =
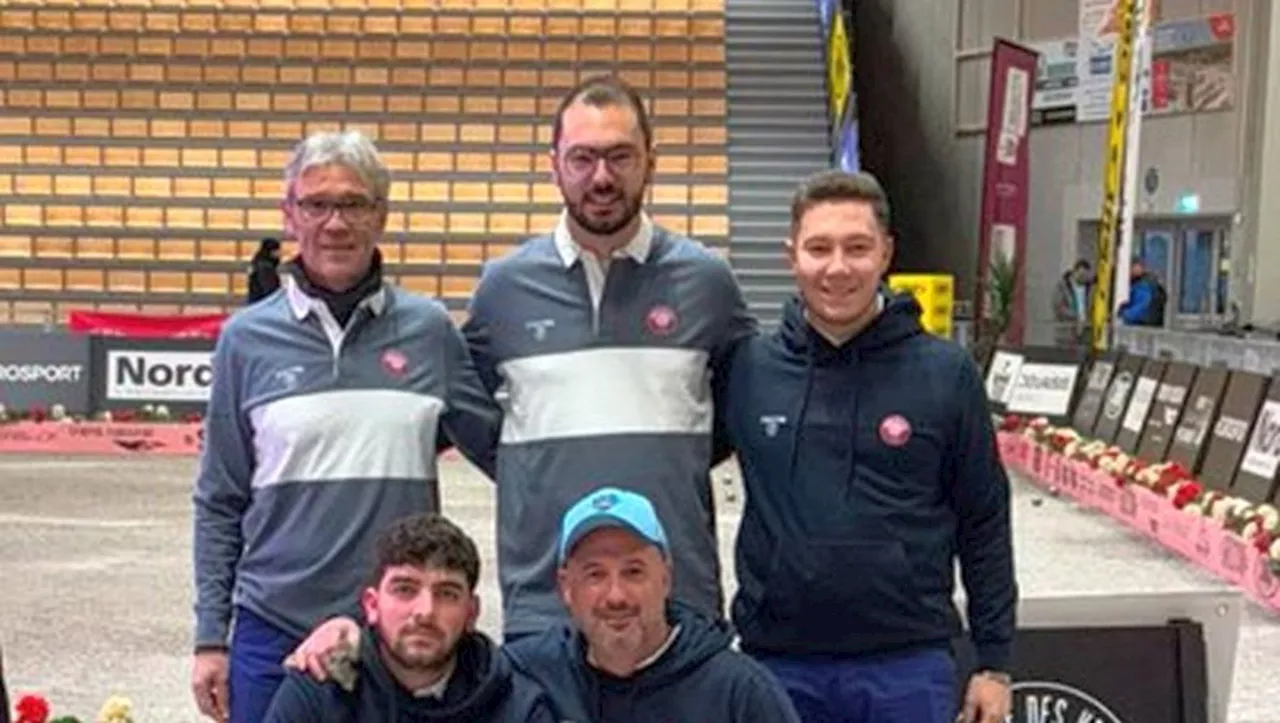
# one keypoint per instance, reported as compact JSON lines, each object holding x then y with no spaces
{"x":1256,"y":524}
{"x":58,"y":413}
{"x":36,"y":709}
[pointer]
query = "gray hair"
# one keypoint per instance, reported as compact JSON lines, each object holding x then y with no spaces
{"x":351,"y":149}
{"x":837,"y":185}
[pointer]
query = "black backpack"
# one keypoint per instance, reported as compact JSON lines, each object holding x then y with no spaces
{"x":1159,"y":297}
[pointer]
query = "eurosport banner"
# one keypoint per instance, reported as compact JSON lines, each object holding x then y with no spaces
{"x":134,"y":373}
{"x":841,"y":101}
{"x":1002,"y":232}
{"x":40,"y":369}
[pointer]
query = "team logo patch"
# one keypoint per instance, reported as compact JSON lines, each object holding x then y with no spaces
{"x":395,"y":362}
{"x":605,"y":501}
{"x":895,"y":430}
{"x":661,"y":320}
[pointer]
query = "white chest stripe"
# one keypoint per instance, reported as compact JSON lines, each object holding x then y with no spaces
{"x":347,"y":434}
{"x":608,"y":391}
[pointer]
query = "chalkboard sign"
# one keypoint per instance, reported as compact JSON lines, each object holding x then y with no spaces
{"x":1231,"y":430}
{"x":1116,"y":400}
{"x":1095,"y":390}
{"x":1171,"y":397}
{"x":1256,"y":478}
{"x":1001,"y":375}
{"x":1140,"y":403}
{"x":1190,"y":439}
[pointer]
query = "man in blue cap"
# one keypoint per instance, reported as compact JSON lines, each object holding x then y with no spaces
{"x":631,"y":653}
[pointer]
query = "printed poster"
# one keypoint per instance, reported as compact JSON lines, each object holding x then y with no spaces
{"x":1057,"y":84}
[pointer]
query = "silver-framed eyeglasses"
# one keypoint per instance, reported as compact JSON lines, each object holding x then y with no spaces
{"x":355,"y":210}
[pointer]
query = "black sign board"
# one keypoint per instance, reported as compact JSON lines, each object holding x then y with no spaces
{"x":1256,"y":478}
{"x":1001,"y":374}
{"x":1087,"y":674}
{"x":41,"y":370}
{"x":1140,"y":402}
{"x":135,"y":373}
{"x":1095,"y":390}
{"x":1231,"y":429}
{"x":1192,"y":435}
{"x":1047,"y":384}
{"x":1171,"y":397}
{"x":1116,"y":400}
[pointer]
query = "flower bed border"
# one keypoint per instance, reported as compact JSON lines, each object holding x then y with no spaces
{"x":102,"y":438}
{"x":1197,"y":538}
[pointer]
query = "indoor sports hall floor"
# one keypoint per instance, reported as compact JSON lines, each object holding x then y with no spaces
{"x":95,"y":586}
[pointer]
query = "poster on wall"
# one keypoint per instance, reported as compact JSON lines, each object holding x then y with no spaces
{"x":1057,"y":82}
{"x":1099,"y":23}
{"x":1193,"y":65}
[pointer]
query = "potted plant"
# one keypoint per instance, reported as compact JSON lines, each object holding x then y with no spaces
{"x":998,"y":308}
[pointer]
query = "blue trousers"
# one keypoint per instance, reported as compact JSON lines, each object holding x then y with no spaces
{"x":914,"y":687}
{"x":258,"y":650}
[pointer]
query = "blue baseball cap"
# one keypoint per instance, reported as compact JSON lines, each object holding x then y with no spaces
{"x":611,"y":507}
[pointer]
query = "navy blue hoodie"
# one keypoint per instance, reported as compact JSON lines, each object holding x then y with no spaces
{"x":869,"y":469}
{"x":699,"y":678}
{"x":483,"y":689}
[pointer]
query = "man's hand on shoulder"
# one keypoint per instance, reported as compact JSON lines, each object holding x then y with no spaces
{"x":330,"y":651}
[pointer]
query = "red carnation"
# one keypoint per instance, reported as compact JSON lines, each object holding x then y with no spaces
{"x":32,"y":709}
{"x":123,"y":415}
{"x":192,"y":417}
{"x":37,"y":414}
{"x":1186,"y":494}
{"x":1262,"y":541}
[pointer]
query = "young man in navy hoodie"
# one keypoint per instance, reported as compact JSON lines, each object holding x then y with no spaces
{"x":422,"y":659}
{"x":631,"y":654}
{"x":870,"y":466}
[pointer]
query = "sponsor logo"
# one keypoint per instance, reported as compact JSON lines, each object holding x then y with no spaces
{"x":1114,"y":406}
{"x":395,"y":362}
{"x":1231,"y":429}
{"x":772,"y":423}
{"x":41,"y":373}
{"x":895,"y":430}
{"x":539,"y":328}
{"x":661,"y":320}
{"x":1048,"y":702}
{"x":176,"y":376}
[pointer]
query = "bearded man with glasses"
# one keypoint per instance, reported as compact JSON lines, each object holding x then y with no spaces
{"x":329,"y":401}
{"x":608,"y":336}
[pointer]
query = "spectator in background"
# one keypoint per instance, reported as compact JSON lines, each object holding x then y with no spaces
{"x":264,"y":273}
{"x":423,"y":658}
{"x":1147,"y":298}
{"x":323,"y":423}
{"x":1071,"y":305}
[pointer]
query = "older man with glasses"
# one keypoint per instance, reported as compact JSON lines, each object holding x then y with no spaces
{"x":328,"y":405}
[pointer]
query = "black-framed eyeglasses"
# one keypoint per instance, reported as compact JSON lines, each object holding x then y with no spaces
{"x":355,"y":210}
{"x":581,"y":162}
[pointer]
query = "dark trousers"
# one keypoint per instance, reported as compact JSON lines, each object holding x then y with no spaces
{"x":914,"y":687}
{"x":258,"y":650}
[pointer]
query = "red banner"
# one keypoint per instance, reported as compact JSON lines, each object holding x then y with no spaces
{"x":1005,"y":177}
{"x":144,"y":326}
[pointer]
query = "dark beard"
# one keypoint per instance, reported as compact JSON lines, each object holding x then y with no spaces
{"x":396,"y":652}
{"x":605,"y":228}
